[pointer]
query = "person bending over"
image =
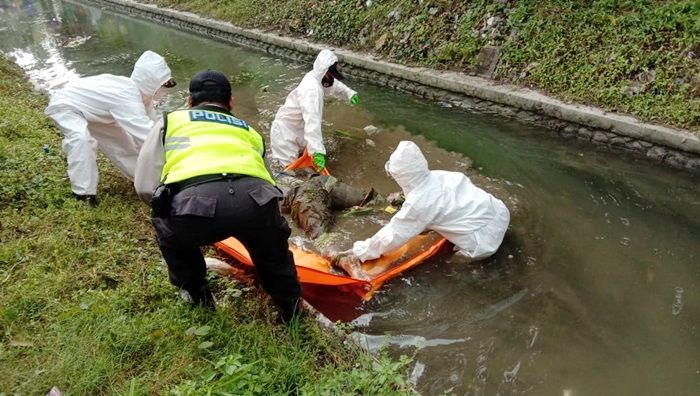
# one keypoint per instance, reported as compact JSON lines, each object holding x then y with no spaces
{"x":214,"y":184}
{"x":114,"y":113}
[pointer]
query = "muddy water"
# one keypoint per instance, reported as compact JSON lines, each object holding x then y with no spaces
{"x":596,"y":289}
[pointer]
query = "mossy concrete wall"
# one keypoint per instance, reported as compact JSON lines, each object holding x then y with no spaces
{"x":671,"y":146}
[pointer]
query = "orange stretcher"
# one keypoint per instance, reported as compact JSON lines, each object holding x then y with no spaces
{"x":313,"y":269}
{"x":305,"y":161}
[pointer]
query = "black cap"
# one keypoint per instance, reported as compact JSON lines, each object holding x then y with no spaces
{"x":334,"y":70}
{"x":210,"y":85}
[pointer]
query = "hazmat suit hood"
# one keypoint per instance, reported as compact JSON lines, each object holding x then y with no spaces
{"x":408,"y":166}
{"x":323,"y":61}
{"x":150,"y":73}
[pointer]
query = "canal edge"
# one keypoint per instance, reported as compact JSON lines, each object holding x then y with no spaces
{"x":675,"y":147}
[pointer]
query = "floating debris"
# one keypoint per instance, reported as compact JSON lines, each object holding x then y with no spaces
{"x":346,"y":134}
{"x":75,"y":42}
{"x":356,"y":211}
{"x":371,"y":129}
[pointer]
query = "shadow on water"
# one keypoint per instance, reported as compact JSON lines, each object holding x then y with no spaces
{"x":596,"y":289}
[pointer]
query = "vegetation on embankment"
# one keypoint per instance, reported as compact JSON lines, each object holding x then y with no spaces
{"x":86,"y":306}
{"x":635,"y":56}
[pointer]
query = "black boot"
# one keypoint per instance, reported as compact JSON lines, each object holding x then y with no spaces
{"x":90,"y":199}
{"x":199,"y":296}
{"x":289,"y":311}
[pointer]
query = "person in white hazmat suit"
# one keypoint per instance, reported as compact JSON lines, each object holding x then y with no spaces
{"x":114,"y":113}
{"x":445,"y":202}
{"x":298,"y":122}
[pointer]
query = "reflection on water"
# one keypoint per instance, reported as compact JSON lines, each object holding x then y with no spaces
{"x":594,"y":291}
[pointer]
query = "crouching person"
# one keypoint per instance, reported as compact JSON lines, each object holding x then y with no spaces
{"x":214,"y":184}
{"x":445,"y":202}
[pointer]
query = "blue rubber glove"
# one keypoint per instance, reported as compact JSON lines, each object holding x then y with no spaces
{"x":355,"y":99}
{"x":319,"y":161}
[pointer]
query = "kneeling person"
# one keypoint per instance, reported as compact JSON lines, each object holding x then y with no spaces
{"x":217,"y":185}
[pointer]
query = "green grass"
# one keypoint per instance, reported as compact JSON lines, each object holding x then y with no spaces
{"x":85,"y":302}
{"x":599,"y":52}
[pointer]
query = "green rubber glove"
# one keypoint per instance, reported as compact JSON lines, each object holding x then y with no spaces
{"x":355,"y":99}
{"x":319,"y":161}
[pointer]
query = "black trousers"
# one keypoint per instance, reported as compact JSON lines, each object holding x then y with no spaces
{"x":245,"y":208}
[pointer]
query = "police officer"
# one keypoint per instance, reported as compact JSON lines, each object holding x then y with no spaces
{"x":217,"y":185}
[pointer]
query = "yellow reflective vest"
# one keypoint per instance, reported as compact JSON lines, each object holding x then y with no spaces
{"x":201,"y":141}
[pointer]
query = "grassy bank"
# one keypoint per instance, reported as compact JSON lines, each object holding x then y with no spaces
{"x":636,"y":56}
{"x":85,"y":303}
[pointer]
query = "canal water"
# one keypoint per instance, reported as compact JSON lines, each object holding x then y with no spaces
{"x":596,"y":289}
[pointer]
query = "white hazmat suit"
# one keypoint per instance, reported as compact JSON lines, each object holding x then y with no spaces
{"x":298,"y":122}
{"x":445,"y":202}
{"x":114,"y":113}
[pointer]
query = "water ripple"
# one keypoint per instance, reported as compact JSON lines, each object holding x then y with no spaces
{"x":416,"y":373}
{"x":677,"y":305}
{"x":376,"y":342}
{"x":511,"y":375}
{"x":534,"y":332}
{"x":493,"y":310}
